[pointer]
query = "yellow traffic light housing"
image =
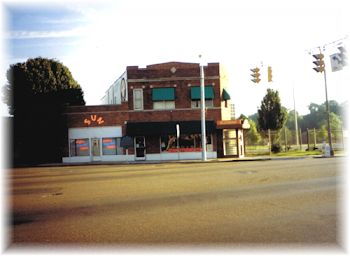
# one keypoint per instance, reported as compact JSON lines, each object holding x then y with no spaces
{"x":255,"y":75}
{"x":319,"y":62}
{"x":269,"y":74}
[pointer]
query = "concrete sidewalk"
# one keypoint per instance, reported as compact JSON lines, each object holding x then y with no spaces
{"x":218,"y":160}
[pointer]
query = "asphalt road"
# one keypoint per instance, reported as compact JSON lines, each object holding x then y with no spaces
{"x":279,"y":202}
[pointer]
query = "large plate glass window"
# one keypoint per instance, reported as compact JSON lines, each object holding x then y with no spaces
{"x":230,"y":142}
{"x":111,"y":146}
{"x":79,"y":147}
{"x":187,"y":143}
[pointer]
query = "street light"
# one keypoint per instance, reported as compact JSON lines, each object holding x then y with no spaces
{"x":322,"y":68}
{"x":204,"y":151}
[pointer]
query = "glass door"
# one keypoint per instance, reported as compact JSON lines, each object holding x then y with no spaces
{"x":140,"y":148}
{"x":96,"y":150}
{"x":230,"y":142}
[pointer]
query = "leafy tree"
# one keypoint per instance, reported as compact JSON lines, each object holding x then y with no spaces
{"x":242,"y":117}
{"x":334,"y":122}
{"x":318,"y":115}
{"x":28,"y":81}
{"x":252,"y":136}
{"x":254,"y":117}
{"x":271,"y":114}
{"x":322,"y":133}
{"x":34,"y":94}
{"x":290,"y":123}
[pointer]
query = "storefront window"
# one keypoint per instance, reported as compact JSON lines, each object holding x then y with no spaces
{"x":111,"y":146}
{"x":187,"y":143}
{"x":79,"y":147}
{"x":230,"y":142}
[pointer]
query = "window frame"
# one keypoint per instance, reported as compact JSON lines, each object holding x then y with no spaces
{"x":73,"y":151}
{"x":135,"y":100}
{"x":198,"y":103}
{"x":115,"y":142}
{"x":164,"y":103}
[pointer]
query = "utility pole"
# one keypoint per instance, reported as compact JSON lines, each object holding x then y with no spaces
{"x":321,"y":67}
{"x":204,"y":150}
{"x":295,"y":119}
{"x":328,"y":117}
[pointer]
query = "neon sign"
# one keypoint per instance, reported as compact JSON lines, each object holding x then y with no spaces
{"x":93,"y":118}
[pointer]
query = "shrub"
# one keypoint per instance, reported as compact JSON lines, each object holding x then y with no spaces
{"x":276,"y":148}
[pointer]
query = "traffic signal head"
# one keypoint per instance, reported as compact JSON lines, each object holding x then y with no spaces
{"x":319,"y":62}
{"x":255,"y":75}
{"x":343,"y":55}
{"x":269,"y":74}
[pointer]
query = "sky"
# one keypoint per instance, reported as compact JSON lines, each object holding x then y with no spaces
{"x":97,"y":40}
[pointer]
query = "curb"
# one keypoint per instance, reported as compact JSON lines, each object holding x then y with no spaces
{"x":218,"y":160}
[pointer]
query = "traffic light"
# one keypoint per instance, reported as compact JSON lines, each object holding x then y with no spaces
{"x":319,"y":63}
{"x":269,"y":74}
{"x":255,"y":75}
{"x":343,"y":56}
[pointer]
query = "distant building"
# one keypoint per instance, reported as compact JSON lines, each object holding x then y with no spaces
{"x":141,"y":110}
{"x":233,"y":111}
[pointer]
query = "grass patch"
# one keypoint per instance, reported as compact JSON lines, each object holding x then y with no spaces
{"x":294,"y":153}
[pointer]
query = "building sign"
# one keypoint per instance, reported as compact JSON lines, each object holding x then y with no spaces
{"x":336,"y":62}
{"x":127,"y":142}
{"x":93,"y":118}
{"x":232,"y":124}
{"x":228,"y":122}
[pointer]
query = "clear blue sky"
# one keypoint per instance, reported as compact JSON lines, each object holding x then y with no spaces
{"x":97,"y":40}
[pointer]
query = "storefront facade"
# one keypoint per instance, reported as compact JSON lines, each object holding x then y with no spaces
{"x":153,"y":113}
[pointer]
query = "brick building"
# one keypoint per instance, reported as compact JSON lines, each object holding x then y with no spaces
{"x":139,"y":113}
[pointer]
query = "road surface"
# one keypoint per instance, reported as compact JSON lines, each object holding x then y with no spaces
{"x":275,"y":202}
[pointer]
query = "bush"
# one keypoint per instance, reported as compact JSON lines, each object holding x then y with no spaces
{"x":276,"y":148}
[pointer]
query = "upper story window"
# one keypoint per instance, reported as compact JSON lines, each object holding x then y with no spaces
{"x":163,"y":98}
{"x":138,"y":99}
{"x":197,"y":103}
{"x":226,"y":97}
{"x":196,"y":96}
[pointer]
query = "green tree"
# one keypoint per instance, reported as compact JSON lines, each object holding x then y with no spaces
{"x":242,"y":117}
{"x":271,"y":114}
{"x":322,"y":133}
{"x":252,"y":136}
{"x":290,"y":123}
{"x":334,"y":122}
{"x":34,"y":94}
{"x":318,"y":115}
{"x":254,"y":117}
{"x":38,"y":79}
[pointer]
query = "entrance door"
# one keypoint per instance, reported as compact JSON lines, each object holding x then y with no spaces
{"x":230,"y":142}
{"x":140,"y":148}
{"x":96,"y":150}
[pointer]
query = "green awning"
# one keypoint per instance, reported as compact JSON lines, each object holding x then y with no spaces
{"x":163,"y":94}
{"x":226,"y":95}
{"x":196,"y":92}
